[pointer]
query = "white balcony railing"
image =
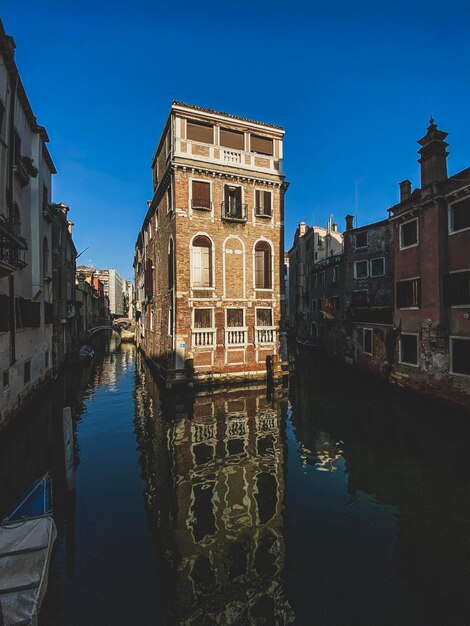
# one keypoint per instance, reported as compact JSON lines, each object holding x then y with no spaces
{"x":204,"y":337}
{"x":265,"y":334}
{"x":217,"y":154}
{"x":236,"y":337}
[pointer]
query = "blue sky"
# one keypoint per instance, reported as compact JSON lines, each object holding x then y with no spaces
{"x":353,"y":83}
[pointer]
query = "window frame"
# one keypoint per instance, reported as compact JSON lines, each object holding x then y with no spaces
{"x":451,"y":355}
{"x":400,"y":230}
{"x":267,"y":216}
{"x":366,"y":233}
{"x":450,"y":217}
{"x":209,"y":211}
{"x":400,"y":360}
{"x":410,"y":280}
{"x":364,"y":351}
{"x":355,"y":269}
{"x":272,"y":264}
{"x":465,"y":271}
{"x":190,"y":121}
{"x":193,"y":318}
{"x":377,"y":258}
{"x":264,"y":308}
{"x":235,"y":308}
{"x":212,"y":262}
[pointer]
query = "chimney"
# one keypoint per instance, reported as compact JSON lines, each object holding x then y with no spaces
{"x":334,"y":227}
{"x":405,"y":190}
{"x":302,"y":228}
{"x":433,"y":155}
{"x":349,"y":221}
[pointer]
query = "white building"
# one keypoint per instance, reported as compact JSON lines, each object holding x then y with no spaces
{"x":25,"y":241}
{"x":115,"y":289}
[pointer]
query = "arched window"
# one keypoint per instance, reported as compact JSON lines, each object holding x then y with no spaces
{"x":45,"y":258}
{"x":201,"y":262}
{"x":263,"y":265}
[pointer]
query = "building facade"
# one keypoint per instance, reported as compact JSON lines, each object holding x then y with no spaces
{"x":26,"y":291}
{"x":115,"y":290}
{"x":209,"y":259}
{"x":432,"y":276}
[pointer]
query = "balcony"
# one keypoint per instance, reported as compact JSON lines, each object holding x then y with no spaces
{"x":265,"y":335}
{"x":234,"y":212}
{"x":203,"y":338}
{"x":24,"y":169}
{"x":12,"y":250}
{"x":240,"y":159}
{"x":236,"y":337}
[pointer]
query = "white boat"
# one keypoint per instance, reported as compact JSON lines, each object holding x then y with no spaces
{"x":27,"y":536}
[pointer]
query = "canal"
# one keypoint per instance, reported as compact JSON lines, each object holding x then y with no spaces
{"x":347,"y":502}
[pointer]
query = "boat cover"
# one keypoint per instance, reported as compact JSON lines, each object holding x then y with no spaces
{"x":25,"y":551}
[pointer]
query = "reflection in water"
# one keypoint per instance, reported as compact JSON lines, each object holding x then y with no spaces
{"x":215,"y":491}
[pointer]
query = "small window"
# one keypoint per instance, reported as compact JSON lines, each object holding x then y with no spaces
{"x":27,"y":372}
{"x":262,"y":145}
{"x":457,"y":289}
{"x":459,"y":215}
{"x":361,"y":269}
{"x":335,"y":274}
{"x":232,"y":139}
{"x":263,"y":265}
{"x":263,"y":203}
{"x":321,"y":279}
{"x":315,"y":305}
{"x":367,"y":340}
{"x":4,"y":312}
{"x":360,"y":298}
{"x":16,"y":148}
{"x":315,"y":281}
{"x":235,"y":318}
{"x":6,"y":379}
{"x":264,"y":317}
{"x":201,"y":195}
{"x":409,"y":349}
{"x":361,"y":240}
{"x":460,"y":355}
{"x":377,"y":267}
{"x":203,"y":318}
{"x":168,"y":200}
{"x":409,"y":234}
{"x":199,"y":131}
{"x":335,"y":300}
{"x":409,"y":294}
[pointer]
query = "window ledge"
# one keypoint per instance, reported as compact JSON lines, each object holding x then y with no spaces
{"x":413,"y":245}
{"x":461,"y":230}
{"x":409,"y":308}
{"x":408,"y":364}
{"x":460,"y":306}
{"x":459,"y":374}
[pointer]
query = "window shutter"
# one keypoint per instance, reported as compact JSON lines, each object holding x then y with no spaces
{"x":267,"y":269}
{"x":4,"y":310}
{"x":267,"y":203}
{"x":226,"y":196}
{"x":197,"y":267}
{"x":258,"y":199}
{"x":259,"y":282}
{"x":238,"y":195}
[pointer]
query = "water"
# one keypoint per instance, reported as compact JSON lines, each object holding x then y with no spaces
{"x":350,"y":504}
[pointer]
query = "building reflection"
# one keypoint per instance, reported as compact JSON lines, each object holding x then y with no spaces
{"x":214,"y":472}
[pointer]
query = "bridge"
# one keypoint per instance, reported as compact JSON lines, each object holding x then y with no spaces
{"x":124,"y":326}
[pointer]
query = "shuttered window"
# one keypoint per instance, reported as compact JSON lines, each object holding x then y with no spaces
{"x":263,"y":265}
{"x":231,"y":139}
{"x":198,"y":131}
{"x":409,"y":293}
{"x":263,"y":203}
{"x":149,"y":279}
{"x":201,"y":195}
{"x":457,"y":289}
{"x":262,"y":145}
{"x":201,"y":266}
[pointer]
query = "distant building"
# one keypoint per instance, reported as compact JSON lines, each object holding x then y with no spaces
{"x":93,"y":303}
{"x":286,"y":286}
{"x":129,"y":295}
{"x":26,"y":290}
{"x":114,"y":288}
{"x":326,"y":299}
{"x":311,"y":245}
{"x":432,"y":276}
{"x":209,"y":264}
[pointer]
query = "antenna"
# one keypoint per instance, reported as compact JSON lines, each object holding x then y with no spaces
{"x":357,"y":197}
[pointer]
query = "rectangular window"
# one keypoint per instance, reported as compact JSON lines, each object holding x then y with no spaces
{"x":367,"y":340}
{"x":335,"y":274}
{"x":377,"y":267}
{"x":360,"y":298}
{"x":6,"y":379}
{"x":409,"y":349}
{"x":460,"y":355}
{"x":262,"y":145}
{"x":16,"y":148}
{"x":235,"y":318}
{"x":361,"y":269}
{"x":409,"y":234}
{"x":321,"y":279}
{"x":315,"y":281}
{"x":361,"y":240}
{"x":409,"y":294}
{"x":168,"y":199}
{"x":263,"y":203}
{"x":459,"y":215}
{"x":457,"y":289}
{"x":27,"y":372}
{"x":4,"y":312}
{"x":199,"y":131}
{"x":203,"y":318}
{"x":314,"y":306}
{"x":264,"y":317}
{"x":232,"y":139}
{"x":335,"y":300}
{"x":201,"y":195}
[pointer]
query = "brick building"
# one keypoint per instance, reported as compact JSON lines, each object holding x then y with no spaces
{"x":432,"y":275}
{"x":209,"y":264}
